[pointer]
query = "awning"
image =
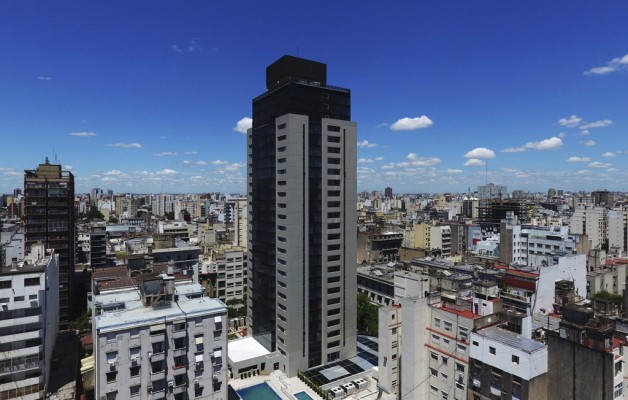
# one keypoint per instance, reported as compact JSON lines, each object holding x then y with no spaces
{"x":198,"y":340}
{"x":218,"y":354}
{"x":199,"y":358}
{"x":158,"y":327}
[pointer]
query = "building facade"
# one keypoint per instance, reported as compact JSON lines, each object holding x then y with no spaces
{"x":159,"y":340}
{"x":302,"y":217}
{"x":49,"y":195}
{"x":29,"y":322}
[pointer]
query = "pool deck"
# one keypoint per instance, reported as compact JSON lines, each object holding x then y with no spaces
{"x":287,"y":387}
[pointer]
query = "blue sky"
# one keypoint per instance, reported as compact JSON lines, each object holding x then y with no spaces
{"x":146,"y":96}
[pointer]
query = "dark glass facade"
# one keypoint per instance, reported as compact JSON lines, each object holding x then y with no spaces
{"x":292,"y":89}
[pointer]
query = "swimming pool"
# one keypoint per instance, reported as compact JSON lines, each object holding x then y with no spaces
{"x":303,"y":396}
{"x":258,"y":392}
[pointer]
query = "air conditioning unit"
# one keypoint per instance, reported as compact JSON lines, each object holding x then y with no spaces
{"x":170,"y":383}
{"x":134,"y":362}
{"x":112,"y":366}
{"x":149,"y":388}
{"x":196,"y":383}
{"x":460,"y":378}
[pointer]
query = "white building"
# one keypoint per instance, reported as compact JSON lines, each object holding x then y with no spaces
{"x":29,"y":304}
{"x":159,"y":340}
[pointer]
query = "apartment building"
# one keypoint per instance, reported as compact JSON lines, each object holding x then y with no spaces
{"x":29,"y":322}
{"x":159,"y":339}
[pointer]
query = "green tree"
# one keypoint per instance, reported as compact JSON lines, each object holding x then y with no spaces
{"x":113,"y":219}
{"x":94,"y":214}
{"x":368,"y":316}
{"x":169,"y":215}
{"x":604,"y":295}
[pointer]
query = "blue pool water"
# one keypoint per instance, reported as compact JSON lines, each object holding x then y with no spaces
{"x":303,"y":396}
{"x":258,"y":392}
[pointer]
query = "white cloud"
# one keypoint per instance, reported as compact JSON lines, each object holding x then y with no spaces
{"x":191,"y":152}
{"x":590,"y":143}
{"x":570,"y":122}
{"x":365,"y":160}
{"x":192,"y":46}
{"x":44,"y":78}
{"x":513,"y":150}
{"x":388,"y":166}
{"x":220,"y":162}
{"x":12,"y":174}
{"x":583,"y":172}
{"x":383,"y":124}
{"x":454,"y":171}
{"x":609,"y":154}
{"x":474,"y":162}
{"x":584,"y":132}
{"x":126,"y":145}
{"x":82,"y":134}
{"x":578,"y":159}
{"x":113,"y":172}
{"x":562,"y":135}
{"x":366,"y":144}
{"x":243,"y":125}
{"x":68,"y":168}
{"x":597,"y":164}
{"x":379,"y":158}
{"x":602,"y":123}
{"x":200,"y":163}
{"x":411,"y":124}
{"x":614,"y":65}
{"x":167,"y":172}
{"x":552,"y":143}
{"x":165,"y":153}
{"x":480,"y":152}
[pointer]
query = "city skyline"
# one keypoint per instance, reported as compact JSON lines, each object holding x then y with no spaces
{"x":151,"y":97}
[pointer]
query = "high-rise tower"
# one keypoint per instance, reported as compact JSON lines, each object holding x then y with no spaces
{"x":49,"y":208}
{"x":302,"y":216}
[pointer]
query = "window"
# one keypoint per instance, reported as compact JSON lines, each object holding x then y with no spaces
{"x":444,"y":376}
{"x":459,"y":367}
{"x":434,"y":356}
{"x":180,"y":327}
{"x":476,"y":344}
{"x":333,"y":171}
{"x":134,"y":352}
{"x":31,"y":282}
{"x":333,"y":128}
{"x":280,"y":127}
{"x":435,"y":339}
{"x":436,"y":322}
{"x":333,"y":215}
{"x":461,"y":348}
{"x":135,"y":371}
{"x":32,"y":297}
{"x":492,"y":350}
{"x":135,"y":390}
{"x":333,"y":333}
{"x":448,"y":326}
{"x":445,"y":359}
{"x":135,"y":332}
{"x":5,"y":284}
{"x":515,"y":359}
{"x":112,"y":376}
{"x":18,"y":298}
{"x":433,"y":372}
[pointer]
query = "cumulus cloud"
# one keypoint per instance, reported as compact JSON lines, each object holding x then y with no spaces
{"x":454,"y":171}
{"x":609,"y":154}
{"x":191,"y":152}
{"x":585,"y":132}
{"x":578,"y":159}
{"x":366,"y":144}
{"x":614,"y":65}
{"x":166,"y":172}
{"x":200,"y":163}
{"x":126,"y":145}
{"x":513,"y":150}
{"x":590,"y":143}
{"x":602,"y":123}
{"x":597,"y":164}
{"x":552,"y":143}
{"x":570,"y":122}
{"x":383,"y":124}
{"x":165,"y":154}
{"x":365,"y":160}
{"x":379,"y":158}
{"x":480,"y":152}
{"x":243,"y":125}
{"x":417,"y":161}
{"x":220,"y":162}
{"x":411,"y":124}
{"x":82,"y":134}
{"x":475,"y":162}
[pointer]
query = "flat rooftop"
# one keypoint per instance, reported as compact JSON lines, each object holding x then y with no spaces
{"x":245,"y":349}
{"x":511,"y":339}
{"x":135,"y":314}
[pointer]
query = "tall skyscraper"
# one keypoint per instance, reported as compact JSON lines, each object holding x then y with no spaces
{"x":302,"y":217}
{"x":49,"y":209}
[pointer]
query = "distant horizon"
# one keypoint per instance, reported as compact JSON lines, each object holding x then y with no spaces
{"x":153,"y":97}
